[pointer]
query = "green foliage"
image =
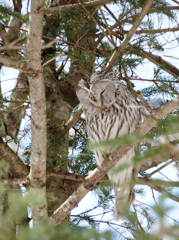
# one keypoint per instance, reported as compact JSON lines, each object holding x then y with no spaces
{"x":5,"y":13}
{"x":14,"y":222}
{"x":83,"y":163}
{"x":165,"y":126}
{"x":4,"y":168}
{"x":45,"y":230}
{"x":167,"y":86}
{"x":104,"y":196}
{"x":119,"y":141}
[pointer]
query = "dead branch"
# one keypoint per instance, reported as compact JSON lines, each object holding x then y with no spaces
{"x":71,"y":121}
{"x":155,"y":185}
{"x":69,"y":7}
{"x":160,"y":62}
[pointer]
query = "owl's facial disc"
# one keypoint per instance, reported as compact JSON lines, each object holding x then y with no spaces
{"x":104,"y":93}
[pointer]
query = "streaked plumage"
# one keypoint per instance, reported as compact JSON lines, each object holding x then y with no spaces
{"x":111,"y":111}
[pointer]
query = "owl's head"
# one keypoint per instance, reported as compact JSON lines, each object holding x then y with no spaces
{"x":97,"y":92}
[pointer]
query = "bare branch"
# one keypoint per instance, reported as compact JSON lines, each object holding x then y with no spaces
{"x":143,"y":101}
{"x":157,"y":10}
{"x":126,"y":40}
{"x":69,"y":176}
{"x":16,"y":182}
{"x":12,"y":47}
{"x":175,"y":1}
{"x":160,"y":62}
{"x":170,"y":152}
{"x":156,"y":184}
{"x":71,"y":121}
{"x":19,"y":64}
{"x":92,"y":180}
{"x":152,"y":31}
{"x":58,"y":55}
{"x":69,"y":7}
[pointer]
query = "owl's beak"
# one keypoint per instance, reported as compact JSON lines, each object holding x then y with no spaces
{"x":100,"y":107}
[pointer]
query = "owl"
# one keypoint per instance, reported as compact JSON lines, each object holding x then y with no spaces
{"x":111,"y":111}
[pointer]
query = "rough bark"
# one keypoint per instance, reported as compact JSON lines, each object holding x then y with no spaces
{"x":37,"y":174}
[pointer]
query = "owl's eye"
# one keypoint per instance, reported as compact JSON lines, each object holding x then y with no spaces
{"x":102,"y":91}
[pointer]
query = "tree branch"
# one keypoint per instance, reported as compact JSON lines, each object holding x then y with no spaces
{"x":174,"y":29}
{"x":16,"y":182}
{"x":71,"y":121}
{"x":92,"y":180}
{"x":3,"y":35}
{"x":157,"y":10}
{"x":170,"y":152}
{"x":126,"y":40}
{"x":19,"y":64}
{"x":69,"y":7}
{"x":156,"y":182}
{"x":155,"y":185}
{"x":160,"y":62}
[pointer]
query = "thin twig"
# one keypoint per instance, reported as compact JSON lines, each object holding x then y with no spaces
{"x":160,"y":168}
{"x":69,"y":7}
{"x":145,"y":104}
{"x":130,"y":34}
{"x":58,"y":55}
{"x":71,"y":121}
{"x":94,"y":19}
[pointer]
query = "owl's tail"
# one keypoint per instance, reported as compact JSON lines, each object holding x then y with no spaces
{"x":124,"y":198}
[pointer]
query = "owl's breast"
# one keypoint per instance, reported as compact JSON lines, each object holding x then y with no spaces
{"x":104,"y":125}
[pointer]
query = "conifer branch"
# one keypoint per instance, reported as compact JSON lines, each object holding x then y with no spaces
{"x":160,"y":62}
{"x":156,"y":185}
{"x":130,"y":34}
{"x":157,"y":182}
{"x":64,"y":8}
{"x":153,"y":31}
